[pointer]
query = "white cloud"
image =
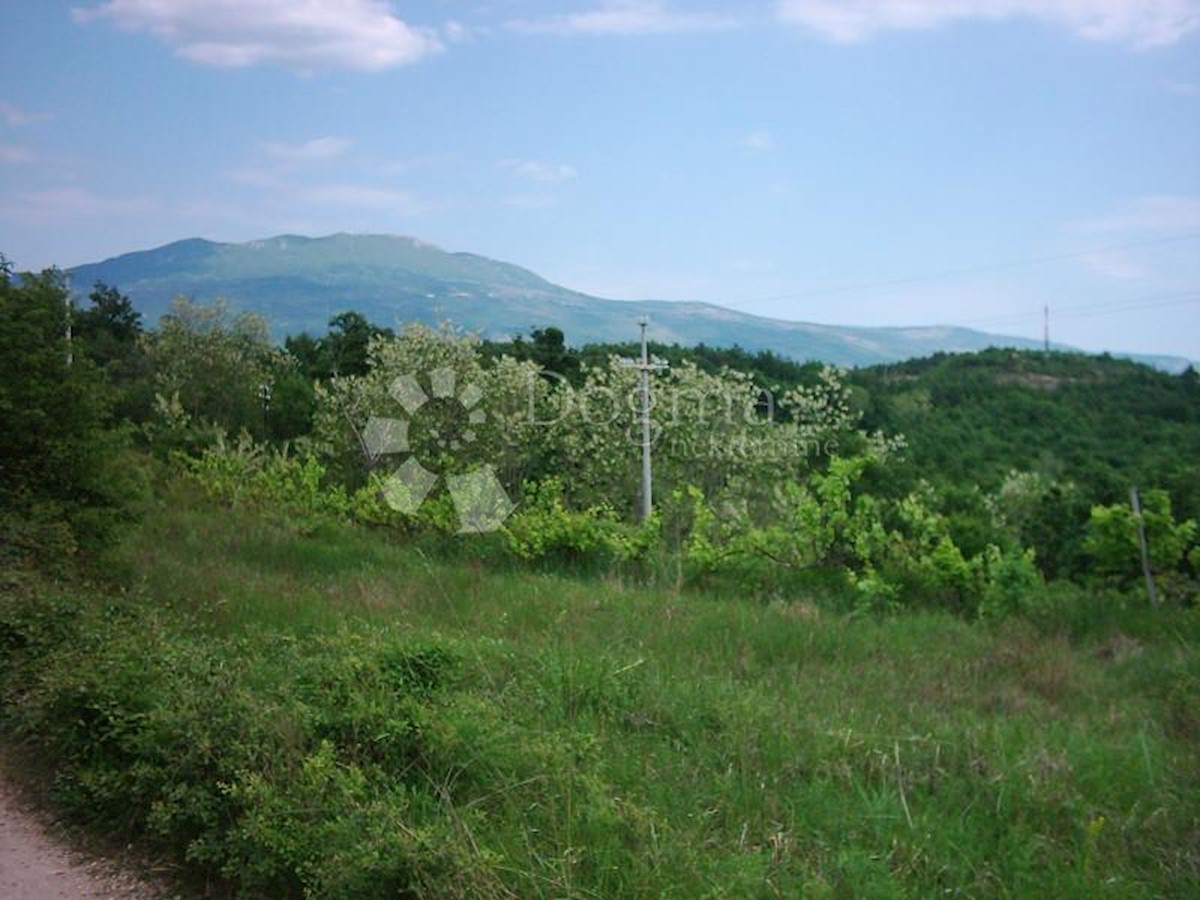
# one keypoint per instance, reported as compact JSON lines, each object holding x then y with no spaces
{"x":758,"y":141}
{"x":70,"y":204}
{"x":13,"y":154}
{"x":314,"y":35}
{"x":316,"y":150}
{"x":456,"y":32}
{"x":13,"y":115}
{"x":1153,"y":213}
{"x":536,"y":170}
{"x":626,"y":17}
{"x":1142,"y":23}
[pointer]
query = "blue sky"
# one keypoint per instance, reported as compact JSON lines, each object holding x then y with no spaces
{"x":876,"y":162}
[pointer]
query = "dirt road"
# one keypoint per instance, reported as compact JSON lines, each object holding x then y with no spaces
{"x":37,"y":864}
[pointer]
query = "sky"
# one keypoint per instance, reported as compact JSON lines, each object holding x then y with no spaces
{"x":866,"y":162}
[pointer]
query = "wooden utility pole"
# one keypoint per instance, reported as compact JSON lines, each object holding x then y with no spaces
{"x":1136,"y":500}
{"x":1046,"y":328}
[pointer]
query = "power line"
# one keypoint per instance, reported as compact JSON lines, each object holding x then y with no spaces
{"x":1088,"y":309}
{"x":1132,"y":306}
{"x":974,"y":270}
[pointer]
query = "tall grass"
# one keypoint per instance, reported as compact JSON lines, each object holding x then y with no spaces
{"x":362,"y":718}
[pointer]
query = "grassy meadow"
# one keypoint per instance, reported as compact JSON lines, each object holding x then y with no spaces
{"x":289,"y":709}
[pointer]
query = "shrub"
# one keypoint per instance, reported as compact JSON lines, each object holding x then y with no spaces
{"x":543,"y":528}
{"x":1013,"y":585}
{"x":247,"y":473}
{"x":318,"y":767}
{"x":1112,"y":537}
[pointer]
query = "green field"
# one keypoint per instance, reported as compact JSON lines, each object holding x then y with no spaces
{"x":324,"y":711}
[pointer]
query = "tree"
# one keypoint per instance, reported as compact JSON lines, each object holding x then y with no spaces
{"x":341,"y":352}
{"x":505,"y":437}
{"x":349,"y":337}
{"x":550,"y":351}
{"x":1112,"y":537}
{"x":213,"y":369}
{"x":53,"y":450}
{"x":110,"y":328}
{"x":309,"y":353}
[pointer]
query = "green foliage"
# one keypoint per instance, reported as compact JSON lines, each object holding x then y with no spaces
{"x":304,"y":709}
{"x":546,"y":347}
{"x":214,"y":372}
{"x":712,"y":429}
{"x":1098,"y":423}
{"x":543,"y":528}
{"x":813,"y":525}
{"x":504,"y":439}
{"x":890,"y":554}
{"x":1045,"y":515}
{"x":60,"y":484}
{"x":289,"y":767}
{"x":276,"y":481}
{"x":110,"y":328}
{"x":343,"y":351}
{"x":338,"y":716}
{"x":109,"y":333}
{"x":781,"y":490}
{"x":1013,"y":584}
{"x":1112,"y":537}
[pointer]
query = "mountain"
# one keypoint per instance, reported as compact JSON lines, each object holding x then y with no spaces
{"x":298,"y":283}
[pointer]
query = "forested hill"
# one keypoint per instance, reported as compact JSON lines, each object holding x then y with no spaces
{"x":1100,"y":422}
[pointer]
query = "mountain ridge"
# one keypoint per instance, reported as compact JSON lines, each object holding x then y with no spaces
{"x":299,"y":282}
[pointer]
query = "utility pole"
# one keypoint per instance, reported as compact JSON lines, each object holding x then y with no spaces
{"x":1046,"y":330}
{"x":264,"y":394}
{"x":1136,"y":500}
{"x":647,"y":475}
{"x":645,"y":366}
{"x":70,"y":316}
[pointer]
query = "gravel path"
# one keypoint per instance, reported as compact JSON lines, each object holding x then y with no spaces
{"x":38,"y":864}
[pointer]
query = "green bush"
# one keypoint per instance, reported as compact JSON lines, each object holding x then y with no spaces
{"x":1013,"y":584}
{"x":543,"y":528}
{"x":321,"y":767}
{"x":1112,"y":537}
{"x":276,"y":481}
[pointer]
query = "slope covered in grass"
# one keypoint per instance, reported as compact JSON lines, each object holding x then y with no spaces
{"x":320,"y":711}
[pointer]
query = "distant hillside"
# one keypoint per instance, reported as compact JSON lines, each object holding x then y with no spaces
{"x":298,"y":283}
{"x":1103,"y":423}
